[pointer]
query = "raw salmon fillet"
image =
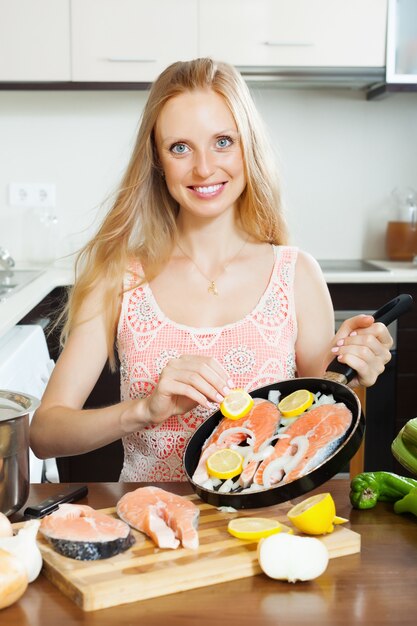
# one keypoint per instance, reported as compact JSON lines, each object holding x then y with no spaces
{"x":165,"y":517}
{"x":324,"y":427}
{"x":262,"y":420}
{"x":80,"y":532}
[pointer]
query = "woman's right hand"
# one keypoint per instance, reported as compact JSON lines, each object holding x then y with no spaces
{"x":184,"y":383}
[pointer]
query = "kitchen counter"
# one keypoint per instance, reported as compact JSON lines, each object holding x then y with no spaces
{"x":16,"y":306}
{"x":374,"y":587}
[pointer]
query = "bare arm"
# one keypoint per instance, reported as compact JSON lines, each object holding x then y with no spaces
{"x":360,"y":342}
{"x":61,"y":427}
{"x":315,"y":318}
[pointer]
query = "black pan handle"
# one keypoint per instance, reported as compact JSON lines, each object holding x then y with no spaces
{"x":388,"y":313}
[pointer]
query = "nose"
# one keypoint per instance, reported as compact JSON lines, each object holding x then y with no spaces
{"x":204,"y":163}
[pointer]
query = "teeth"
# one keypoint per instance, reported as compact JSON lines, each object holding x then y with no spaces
{"x":210,"y":189}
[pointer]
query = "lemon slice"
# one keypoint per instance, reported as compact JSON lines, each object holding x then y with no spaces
{"x":236,"y":404}
{"x":225,"y":464}
{"x":253,"y":527}
{"x":315,"y":515}
{"x":296,"y":403}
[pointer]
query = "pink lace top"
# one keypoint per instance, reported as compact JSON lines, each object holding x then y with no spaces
{"x":257,"y":350}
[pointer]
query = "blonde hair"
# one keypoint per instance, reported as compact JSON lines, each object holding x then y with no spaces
{"x":142,"y":221}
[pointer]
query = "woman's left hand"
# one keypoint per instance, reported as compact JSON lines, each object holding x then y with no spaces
{"x":364,"y":345}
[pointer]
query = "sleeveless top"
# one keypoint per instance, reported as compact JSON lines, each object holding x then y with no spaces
{"x":257,"y":350}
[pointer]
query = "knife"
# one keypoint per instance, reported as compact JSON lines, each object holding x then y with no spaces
{"x":51,"y":504}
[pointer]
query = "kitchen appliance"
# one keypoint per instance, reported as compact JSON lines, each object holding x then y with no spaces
{"x":349,"y":265}
{"x":25,"y":366}
{"x":15,"y":408}
{"x":334,"y":383}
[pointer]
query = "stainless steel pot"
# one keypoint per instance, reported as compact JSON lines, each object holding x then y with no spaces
{"x":15,"y":409}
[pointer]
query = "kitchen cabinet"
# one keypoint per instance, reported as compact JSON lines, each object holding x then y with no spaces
{"x":301,"y":33}
{"x":34,"y":40}
{"x":130,"y":40}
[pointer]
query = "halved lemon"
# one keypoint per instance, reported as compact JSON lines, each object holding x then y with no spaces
{"x":315,"y":515}
{"x":225,"y":464}
{"x":253,"y":527}
{"x":236,"y":404}
{"x":296,"y":403}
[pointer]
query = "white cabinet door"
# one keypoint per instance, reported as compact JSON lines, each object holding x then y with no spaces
{"x":130,"y":40}
{"x":34,"y":40}
{"x":302,"y":33}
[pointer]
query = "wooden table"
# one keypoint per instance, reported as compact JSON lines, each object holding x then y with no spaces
{"x":377,"y":586}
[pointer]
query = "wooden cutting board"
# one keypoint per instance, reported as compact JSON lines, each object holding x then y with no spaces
{"x":145,"y":571}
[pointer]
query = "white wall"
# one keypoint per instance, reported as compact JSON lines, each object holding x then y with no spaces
{"x":339,"y":155}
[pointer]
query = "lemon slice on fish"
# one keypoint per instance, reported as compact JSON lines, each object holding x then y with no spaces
{"x":254,"y":528}
{"x":296,"y":403}
{"x":315,"y":515}
{"x":236,"y":404}
{"x":225,"y":464}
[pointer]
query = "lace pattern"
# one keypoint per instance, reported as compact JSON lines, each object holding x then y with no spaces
{"x":257,"y":351}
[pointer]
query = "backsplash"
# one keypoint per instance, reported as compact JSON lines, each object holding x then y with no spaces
{"x":339,"y":157}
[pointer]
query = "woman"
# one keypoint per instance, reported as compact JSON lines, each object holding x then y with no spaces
{"x":191,"y":276}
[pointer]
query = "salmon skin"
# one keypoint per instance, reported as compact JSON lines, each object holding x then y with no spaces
{"x":310,"y":440}
{"x":165,"y":517}
{"x":82,"y":533}
{"x":262,"y":420}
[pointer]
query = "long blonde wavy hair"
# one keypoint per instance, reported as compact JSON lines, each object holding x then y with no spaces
{"x":141,"y":224}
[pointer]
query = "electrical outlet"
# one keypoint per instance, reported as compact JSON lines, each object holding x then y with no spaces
{"x":32,"y":195}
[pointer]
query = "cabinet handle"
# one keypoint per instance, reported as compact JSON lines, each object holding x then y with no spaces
{"x":129,"y":60}
{"x":294,"y":44}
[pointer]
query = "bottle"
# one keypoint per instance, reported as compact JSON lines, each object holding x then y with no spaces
{"x":401,"y":234}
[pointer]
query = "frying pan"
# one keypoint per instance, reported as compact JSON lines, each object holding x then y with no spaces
{"x":336,"y":378}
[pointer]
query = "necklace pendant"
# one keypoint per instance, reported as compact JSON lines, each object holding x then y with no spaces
{"x":213,"y":289}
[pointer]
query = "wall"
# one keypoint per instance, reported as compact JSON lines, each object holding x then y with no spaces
{"x":339,"y":156}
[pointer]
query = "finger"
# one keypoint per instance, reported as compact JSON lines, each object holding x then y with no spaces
{"x":207,"y":384}
{"x":361,"y":345}
{"x":208,"y":368}
{"x":353,"y":324}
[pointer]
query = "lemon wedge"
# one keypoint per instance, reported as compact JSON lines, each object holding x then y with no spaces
{"x":236,"y":404}
{"x":296,"y":403}
{"x":225,"y":464}
{"x":254,"y":528}
{"x":315,"y":515}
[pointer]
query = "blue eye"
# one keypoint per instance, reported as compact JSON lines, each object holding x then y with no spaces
{"x":224,"y":142}
{"x":179,"y":148}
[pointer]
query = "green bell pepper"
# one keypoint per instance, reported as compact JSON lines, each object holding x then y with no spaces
{"x":408,"y":504}
{"x":368,"y":488}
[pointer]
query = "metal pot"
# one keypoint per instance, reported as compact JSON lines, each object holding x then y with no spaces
{"x":15,"y":408}
{"x":334,"y":383}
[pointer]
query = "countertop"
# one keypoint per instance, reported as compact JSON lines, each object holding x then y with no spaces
{"x":374,"y":587}
{"x":16,"y":306}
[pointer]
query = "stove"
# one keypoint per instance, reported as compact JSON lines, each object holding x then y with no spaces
{"x":349,"y":265}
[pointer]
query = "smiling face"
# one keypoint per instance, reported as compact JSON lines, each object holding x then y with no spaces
{"x":199,"y":149}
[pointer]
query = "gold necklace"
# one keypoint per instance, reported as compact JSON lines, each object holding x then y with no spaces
{"x":212,"y":288}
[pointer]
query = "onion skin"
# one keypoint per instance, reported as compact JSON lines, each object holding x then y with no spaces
{"x":13,"y":579}
{"x":291,"y":557}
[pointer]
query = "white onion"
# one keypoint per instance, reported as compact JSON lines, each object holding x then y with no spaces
{"x":226,"y":486}
{"x":274,"y":466}
{"x":6,"y":529}
{"x":24,"y":547}
{"x":291,"y":557}
{"x":274,"y":395}
{"x":302,"y":444}
{"x":237,"y":429}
